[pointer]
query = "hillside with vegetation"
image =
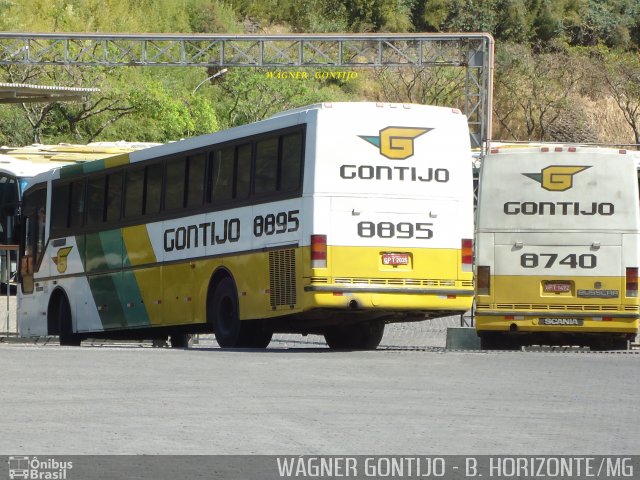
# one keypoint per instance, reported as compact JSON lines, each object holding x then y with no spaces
{"x":566,"y":70}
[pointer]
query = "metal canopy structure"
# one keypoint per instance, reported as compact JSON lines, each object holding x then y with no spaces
{"x":24,"y":93}
{"x":471,"y":51}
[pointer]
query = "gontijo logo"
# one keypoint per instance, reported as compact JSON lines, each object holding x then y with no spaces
{"x":61,"y":259}
{"x":396,"y":143}
{"x":556,"y":178}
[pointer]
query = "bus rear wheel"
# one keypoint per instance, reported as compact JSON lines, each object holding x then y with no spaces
{"x":494,"y":341}
{"x":229,"y":330}
{"x":609,"y":343}
{"x":358,"y":336}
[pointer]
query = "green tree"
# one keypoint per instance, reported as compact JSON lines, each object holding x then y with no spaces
{"x":245,"y":96}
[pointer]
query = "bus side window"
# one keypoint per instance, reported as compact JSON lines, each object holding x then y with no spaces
{"x":59,"y":209}
{"x":291,"y":164}
{"x":195,"y":180}
{"x":26,"y":260}
{"x":41,"y":221}
{"x":34,"y":239}
{"x":95,"y":197}
{"x":221,"y":176}
{"x":243,"y":171}
{"x":174,"y":193}
{"x":266,"y":172}
{"x":76,"y":213}
{"x":134,"y":193}
{"x":8,"y":206}
{"x":153,"y":188}
{"x":114,"y":196}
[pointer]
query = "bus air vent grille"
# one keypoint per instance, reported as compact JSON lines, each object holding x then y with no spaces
{"x":282,"y":278}
{"x":407,"y":282}
{"x":541,"y":306}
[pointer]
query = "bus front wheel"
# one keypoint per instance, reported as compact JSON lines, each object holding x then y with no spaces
{"x":62,"y":312}
{"x":358,"y":336}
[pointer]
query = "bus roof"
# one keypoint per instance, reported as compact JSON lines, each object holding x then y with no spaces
{"x":70,"y":153}
{"x":497,"y":148}
{"x":281,"y":120}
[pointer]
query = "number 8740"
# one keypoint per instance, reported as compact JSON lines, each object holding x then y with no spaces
{"x":548,"y":260}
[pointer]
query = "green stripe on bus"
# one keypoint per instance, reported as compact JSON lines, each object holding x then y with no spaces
{"x":94,"y":166}
{"x":130,"y":298}
{"x":116,"y":293}
{"x":103,"y":290}
{"x":71,"y":170}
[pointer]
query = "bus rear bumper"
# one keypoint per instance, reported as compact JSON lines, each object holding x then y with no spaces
{"x":398,"y":299}
{"x":550,"y":322}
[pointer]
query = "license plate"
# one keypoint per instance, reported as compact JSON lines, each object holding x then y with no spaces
{"x":564,"y":322}
{"x":556,"y":287}
{"x":395,"y":259}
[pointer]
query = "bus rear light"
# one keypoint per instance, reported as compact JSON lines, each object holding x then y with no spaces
{"x":572,"y":149}
{"x":544,"y":149}
{"x":318,"y":251}
{"x":467,"y":255}
{"x":483,"y":280}
{"x":632,"y":282}
{"x":558,"y":149}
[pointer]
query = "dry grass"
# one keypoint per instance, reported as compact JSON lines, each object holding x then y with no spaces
{"x":608,"y":121}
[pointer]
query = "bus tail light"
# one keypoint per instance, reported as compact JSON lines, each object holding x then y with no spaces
{"x":632,"y":282}
{"x":483,"y":280}
{"x":467,"y":255}
{"x":318,"y":251}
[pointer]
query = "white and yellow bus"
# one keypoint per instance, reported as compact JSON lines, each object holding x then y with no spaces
{"x":557,"y":247}
{"x":332,"y":219}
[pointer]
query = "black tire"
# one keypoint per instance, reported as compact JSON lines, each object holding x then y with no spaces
{"x":229,"y":330}
{"x":358,"y":336}
{"x":184,"y":340}
{"x":619,"y":344}
{"x":66,"y":335}
{"x":225,"y":314}
{"x":610,"y":343}
{"x":491,"y":341}
{"x":253,"y":334}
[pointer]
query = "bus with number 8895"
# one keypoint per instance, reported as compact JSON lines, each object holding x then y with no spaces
{"x":332,"y":219}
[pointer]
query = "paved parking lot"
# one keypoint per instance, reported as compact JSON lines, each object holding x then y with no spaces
{"x":135,"y":399}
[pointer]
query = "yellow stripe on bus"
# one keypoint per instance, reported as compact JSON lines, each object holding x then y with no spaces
{"x":138,"y":245}
{"x":116,"y":161}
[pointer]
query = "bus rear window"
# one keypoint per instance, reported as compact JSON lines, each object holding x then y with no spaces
{"x":291,"y":162}
{"x":266,"y":176}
